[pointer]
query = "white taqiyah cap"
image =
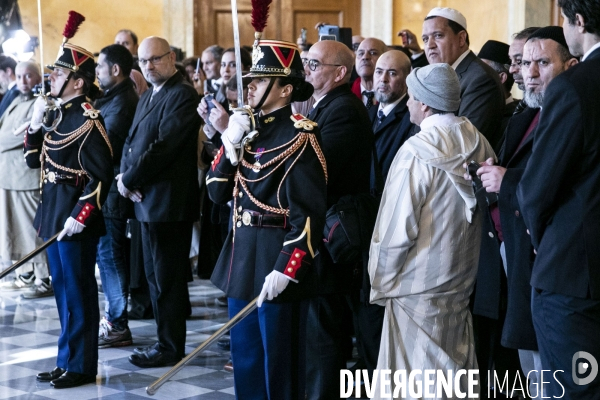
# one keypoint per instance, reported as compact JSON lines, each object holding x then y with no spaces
{"x":449,"y":13}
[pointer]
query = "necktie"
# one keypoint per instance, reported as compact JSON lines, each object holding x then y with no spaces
{"x":520,"y":107}
{"x":380,"y":117}
{"x":369,"y":96}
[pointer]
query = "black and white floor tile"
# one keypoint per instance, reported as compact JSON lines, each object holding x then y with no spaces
{"x":29,"y":331}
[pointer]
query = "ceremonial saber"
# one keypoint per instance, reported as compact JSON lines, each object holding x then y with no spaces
{"x":41,"y":41}
{"x":29,"y":256}
{"x":152,"y":389}
{"x":238,"y":56}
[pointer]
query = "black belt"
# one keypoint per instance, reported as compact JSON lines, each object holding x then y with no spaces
{"x":255,"y":218}
{"x":53,"y":177}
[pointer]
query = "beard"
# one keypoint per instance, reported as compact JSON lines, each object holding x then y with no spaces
{"x":386,"y":98}
{"x":534,"y":100}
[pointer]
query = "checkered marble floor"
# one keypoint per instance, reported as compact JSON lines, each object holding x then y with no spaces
{"x":29,"y":331}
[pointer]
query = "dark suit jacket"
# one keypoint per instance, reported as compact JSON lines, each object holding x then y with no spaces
{"x":420,"y":61}
{"x":490,"y":288}
{"x":518,"y":329}
{"x":390,"y":135}
{"x":482,"y":97}
{"x":118,"y":109}
{"x":8,"y":98}
{"x":558,"y":192}
{"x":160,"y":154}
{"x":347,"y":145}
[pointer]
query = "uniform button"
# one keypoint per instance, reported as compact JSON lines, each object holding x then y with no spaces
{"x":212,"y":162}
{"x":81,"y":218}
{"x":83,"y":213}
{"x":240,"y":209}
{"x":87,"y":207}
{"x":294,"y":262}
{"x":297,"y":255}
{"x":517,"y":213}
{"x":241,"y":195}
{"x":491,"y":234}
{"x":290,"y":270}
{"x":129,"y":150}
{"x":239,"y":224}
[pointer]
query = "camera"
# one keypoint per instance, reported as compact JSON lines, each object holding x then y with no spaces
{"x":334,"y":32}
{"x":209,"y":104}
{"x":37,"y":89}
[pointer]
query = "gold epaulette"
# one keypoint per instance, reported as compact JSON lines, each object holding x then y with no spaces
{"x":89,"y":110}
{"x":301,"y":122}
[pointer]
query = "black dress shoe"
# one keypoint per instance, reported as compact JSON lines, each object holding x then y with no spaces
{"x":141,"y":350}
{"x":154,"y":358}
{"x":72,"y":379}
{"x":49,"y":376}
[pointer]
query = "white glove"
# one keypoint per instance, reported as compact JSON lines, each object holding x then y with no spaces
{"x":239,"y":124}
{"x":72,"y":226}
{"x":38,"y":114}
{"x":275,"y":283}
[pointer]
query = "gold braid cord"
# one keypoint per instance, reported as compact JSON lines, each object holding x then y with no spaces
{"x":69,"y":139}
{"x":300,"y":141}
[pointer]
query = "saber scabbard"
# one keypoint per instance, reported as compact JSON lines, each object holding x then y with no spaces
{"x":29,"y":256}
{"x":151,"y":390}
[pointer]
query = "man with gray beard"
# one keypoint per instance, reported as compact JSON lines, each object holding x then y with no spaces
{"x":545,"y":56}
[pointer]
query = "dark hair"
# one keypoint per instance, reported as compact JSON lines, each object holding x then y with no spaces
{"x":302,"y":89}
{"x":525,"y":33}
{"x":130,"y":33}
{"x":588,"y":9}
{"x":215,"y":50}
{"x":456,"y":28}
{"x":119,"y":55}
{"x":190,"y":61}
{"x":7,"y":62}
{"x":89,"y":88}
{"x":245,"y":56}
{"x":181,"y":69}
{"x":499,"y":68}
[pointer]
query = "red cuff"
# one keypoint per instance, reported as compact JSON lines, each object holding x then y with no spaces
{"x":85,"y":213}
{"x":294,"y":263}
{"x":217,"y":158}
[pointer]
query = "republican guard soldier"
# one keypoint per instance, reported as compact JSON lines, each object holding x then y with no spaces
{"x":275,"y":178}
{"x":70,"y":145}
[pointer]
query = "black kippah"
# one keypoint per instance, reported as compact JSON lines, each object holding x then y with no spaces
{"x":555,"y":33}
{"x":494,"y":50}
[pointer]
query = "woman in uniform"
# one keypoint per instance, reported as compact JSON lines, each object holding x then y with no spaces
{"x":275,"y":178}
{"x":72,"y":149}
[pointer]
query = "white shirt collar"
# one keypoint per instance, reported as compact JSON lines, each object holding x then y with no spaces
{"x":318,"y":100}
{"x":509,"y":100}
{"x":587,"y":53}
{"x":459,"y":59}
{"x":415,"y":56}
{"x":12,"y":84}
{"x":388,"y":109}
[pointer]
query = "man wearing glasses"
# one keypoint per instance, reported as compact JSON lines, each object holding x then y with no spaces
{"x":347,"y":144}
{"x":159,"y":174}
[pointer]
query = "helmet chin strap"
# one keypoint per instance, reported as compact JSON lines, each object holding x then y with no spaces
{"x":62,"y":89}
{"x":266,"y":94}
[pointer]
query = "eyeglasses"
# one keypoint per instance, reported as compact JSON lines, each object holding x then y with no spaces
{"x":314,"y":64}
{"x":154,"y":60}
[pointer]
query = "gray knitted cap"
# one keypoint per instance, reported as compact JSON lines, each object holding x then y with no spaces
{"x":436,"y":85}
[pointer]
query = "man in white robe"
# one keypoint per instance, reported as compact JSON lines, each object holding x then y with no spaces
{"x":425,"y":246}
